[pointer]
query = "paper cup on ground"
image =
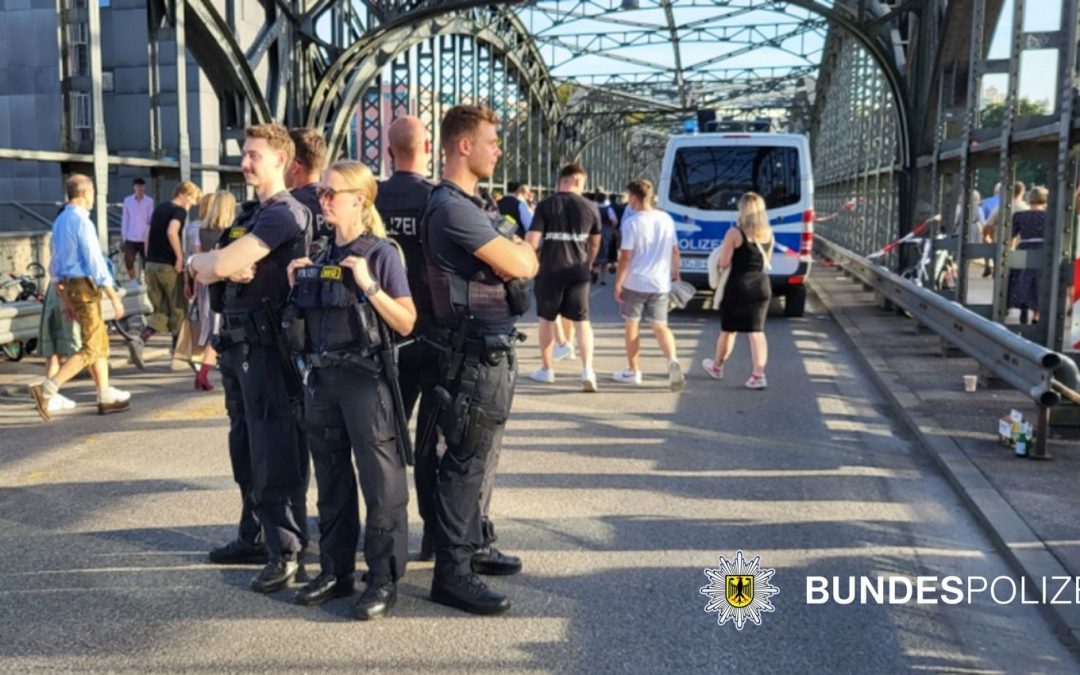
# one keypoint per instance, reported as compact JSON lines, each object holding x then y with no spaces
{"x":971,"y":382}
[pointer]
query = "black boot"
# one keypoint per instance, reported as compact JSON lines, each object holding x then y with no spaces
{"x":323,"y":588}
{"x":491,"y":561}
{"x":427,"y":548}
{"x":239,"y":552}
{"x":376,"y":600}
{"x":276,"y":575}
{"x":469,"y":593}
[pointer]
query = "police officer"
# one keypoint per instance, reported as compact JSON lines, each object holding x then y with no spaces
{"x":475,"y":273}
{"x":254,"y":263}
{"x":303,"y":174}
{"x":401,"y":202}
{"x":352,"y":286}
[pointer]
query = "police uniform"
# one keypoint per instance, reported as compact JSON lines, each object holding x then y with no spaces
{"x":478,"y":312}
{"x":307,"y":196}
{"x":400,"y":201}
{"x":262,"y":395}
{"x":348,"y":404}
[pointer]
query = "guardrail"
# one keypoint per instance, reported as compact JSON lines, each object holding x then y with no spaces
{"x":1044,"y":375}
{"x":19,"y":321}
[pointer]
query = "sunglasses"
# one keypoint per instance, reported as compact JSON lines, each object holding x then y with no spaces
{"x":326,"y":192}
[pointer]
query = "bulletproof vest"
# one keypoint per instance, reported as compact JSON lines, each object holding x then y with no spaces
{"x":223,"y":292}
{"x":401,"y":203}
{"x":337,"y":316}
{"x":485,"y":295}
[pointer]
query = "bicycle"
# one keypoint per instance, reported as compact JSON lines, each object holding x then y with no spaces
{"x":29,"y":288}
{"x":940,"y":275}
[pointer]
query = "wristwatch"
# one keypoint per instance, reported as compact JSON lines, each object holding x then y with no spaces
{"x":372,"y":289}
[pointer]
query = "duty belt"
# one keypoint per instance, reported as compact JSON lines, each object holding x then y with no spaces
{"x":353,"y":360}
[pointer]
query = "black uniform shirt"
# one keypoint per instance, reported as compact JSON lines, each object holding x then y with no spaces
{"x":400,"y":201}
{"x":457,"y":225}
{"x":282,"y":224}
{"x":306,"y":196}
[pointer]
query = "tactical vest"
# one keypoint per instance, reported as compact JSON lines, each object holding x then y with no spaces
{"x":224,"y":292}
{"x":337,"y":316}
{"x":485,"y":295}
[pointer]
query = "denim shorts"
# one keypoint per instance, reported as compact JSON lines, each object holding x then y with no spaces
{"x":636,"y":306}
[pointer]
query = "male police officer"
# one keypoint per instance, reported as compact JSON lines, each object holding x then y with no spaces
{"x":253,"y":352}
{"x":304,"y":173}
{"x":474,"y":272}
{"x":401,"y":201}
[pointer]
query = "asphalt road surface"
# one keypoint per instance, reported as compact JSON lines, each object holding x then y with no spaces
{"x":617,"y":502}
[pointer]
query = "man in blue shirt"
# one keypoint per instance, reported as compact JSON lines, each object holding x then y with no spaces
{"x":79,"y":270}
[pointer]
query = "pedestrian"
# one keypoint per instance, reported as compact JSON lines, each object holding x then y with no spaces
{"x":203,"y":320}
{"x":78,"y":269}
{"x":475,"y":272}
{"x":58,"y":340}
{"x":566,"y":232}
{"x":400,"y":201}
{"x":263,"y":392}
{"x":747,"y":251}
{"x":351,"y":287}
{"x":648,"y":263}
{"x":515,"y":206}
{"x":134,"y":225}
{"x":994,"y":220}
{"x":165,"y":262}
{"x":1027,"y":234}
{"x":302,"y":177}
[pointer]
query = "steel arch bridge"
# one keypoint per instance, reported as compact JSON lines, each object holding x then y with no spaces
{"x":893,"y":94}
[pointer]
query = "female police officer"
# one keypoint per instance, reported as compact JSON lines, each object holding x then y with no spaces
{"x":341,"y":296}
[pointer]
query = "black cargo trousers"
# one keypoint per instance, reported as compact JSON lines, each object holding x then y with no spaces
{"x":266,"y":447}
{"x":473,"y":436}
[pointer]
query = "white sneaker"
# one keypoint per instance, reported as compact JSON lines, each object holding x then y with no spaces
{"x":59,"y":402}
{"x":757,"y":382}
{"x":675,"y":376}
{"x":627,"y":376}
{"x":714,"y":369}
{"x":543,"y":375}
{"x":562,"y":352}
{"x":113,"y":395}
{"x":588,"y":381}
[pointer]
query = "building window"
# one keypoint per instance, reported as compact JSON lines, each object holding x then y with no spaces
{"x":79,"y":38}
{"x":81,"y":120}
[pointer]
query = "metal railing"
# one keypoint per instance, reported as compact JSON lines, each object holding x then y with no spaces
{"x":19,"y":321}
{"x":1045,"y":376}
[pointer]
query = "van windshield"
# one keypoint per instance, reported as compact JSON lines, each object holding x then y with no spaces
{"x":713,"y":178}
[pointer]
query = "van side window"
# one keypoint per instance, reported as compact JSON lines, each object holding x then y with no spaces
{"x":713,"y":178}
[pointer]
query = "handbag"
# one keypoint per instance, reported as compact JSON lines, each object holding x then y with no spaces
{"x":721,"y":283}
{"x":185,"y":342}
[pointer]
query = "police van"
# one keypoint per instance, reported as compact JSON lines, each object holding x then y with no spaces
{"x":703,"y":177}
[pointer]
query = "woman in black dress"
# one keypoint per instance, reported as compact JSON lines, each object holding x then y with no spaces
{"x":1027,"y":235}
{"x":747,"y":250}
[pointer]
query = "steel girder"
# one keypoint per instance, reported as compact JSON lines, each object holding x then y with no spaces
{"x":350,"y":75}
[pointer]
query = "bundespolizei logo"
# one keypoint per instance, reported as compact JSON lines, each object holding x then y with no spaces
{"x":739,"y":590}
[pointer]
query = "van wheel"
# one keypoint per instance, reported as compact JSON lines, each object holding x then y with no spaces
{"x":795,"y":302}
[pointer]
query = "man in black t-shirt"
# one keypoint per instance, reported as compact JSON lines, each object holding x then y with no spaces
{"x":566,"y":230}
{"x":165,"y":262}
{"x":303,"y":176}
{"x":262,"y":387}
{"x":468,"y":260}
{"x":400,"y":201}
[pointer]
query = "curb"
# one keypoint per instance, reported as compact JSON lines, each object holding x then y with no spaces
{"x":1022,"y":549}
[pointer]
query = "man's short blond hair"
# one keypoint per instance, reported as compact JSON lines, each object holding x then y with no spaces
{"x":187,"y":189}
{"x":276,"y":136}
